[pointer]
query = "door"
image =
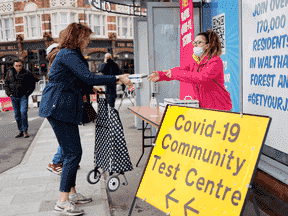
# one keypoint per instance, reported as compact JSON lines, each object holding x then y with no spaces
{"x":164,"y":46}
{"x":141,"y":63}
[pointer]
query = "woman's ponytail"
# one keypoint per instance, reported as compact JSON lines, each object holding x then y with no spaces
{"x":214,"y":42}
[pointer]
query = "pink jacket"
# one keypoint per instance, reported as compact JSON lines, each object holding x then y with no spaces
{"x":208,"y":82}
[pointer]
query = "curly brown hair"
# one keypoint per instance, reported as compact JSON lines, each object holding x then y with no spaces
{"x":214,"y":42}
{"x":72,"y":37}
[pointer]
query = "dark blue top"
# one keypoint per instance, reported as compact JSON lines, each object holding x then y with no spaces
{"x":62,"y":98}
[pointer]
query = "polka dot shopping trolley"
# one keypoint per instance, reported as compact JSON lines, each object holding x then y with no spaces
{"x":110,"y":153}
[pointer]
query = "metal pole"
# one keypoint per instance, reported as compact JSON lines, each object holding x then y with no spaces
{"x":240,"y":60}
{"x":201,"y":16}
{"x":50,"y":27}
{"x":133,"y":7}
{"x":84,"y":18}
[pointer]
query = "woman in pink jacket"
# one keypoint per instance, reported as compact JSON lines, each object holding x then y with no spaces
{"x":205,"y":73}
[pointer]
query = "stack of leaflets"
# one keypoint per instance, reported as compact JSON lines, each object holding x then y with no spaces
{"x":137,"y":78}
{"x":178,"y":102}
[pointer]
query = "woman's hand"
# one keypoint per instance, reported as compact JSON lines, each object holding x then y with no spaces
{"x":154,"y":77}
{"x":125,"y":80}
{"x":168,"y":73}
{"x":98,"y":89}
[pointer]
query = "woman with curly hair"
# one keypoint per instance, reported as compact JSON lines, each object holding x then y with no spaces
{"x":205,"y":73}
{"x":62,"y":105}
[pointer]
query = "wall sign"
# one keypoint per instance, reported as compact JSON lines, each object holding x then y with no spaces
{"x":9,"y":48}
{"x":265,"y":64}
{"x":124,"y":44}
{"x":123,"y":8}
{"x":203,"y":161}
{"x":218,"y":26}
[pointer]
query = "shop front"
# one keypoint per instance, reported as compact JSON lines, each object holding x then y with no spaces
{"x":95,"y":60}
{"x":8,"y":53}
{"x":126,"y":62}
{"x":31,"y":60}
{"x":124,"y":55}
{"x":6,"y":62}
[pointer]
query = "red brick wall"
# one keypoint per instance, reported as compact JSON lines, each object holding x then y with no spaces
{"x":92,"y":50}
{"x":111,"y":27}
{"x":18,"y":20}
{"x":113,"y":7}
{"x":21,"y":35}
{"x":111,"y":19}
{"x":39,"y":3}
{"x":19,"y":28}
{"x":120,"y":50}
{"x":80,"y":3}
{"x":46,"y":17}
{"x":111,"y":33}
{"x":81,"y":16}
{"x":45,"y":26}
{"x":19,"y":6}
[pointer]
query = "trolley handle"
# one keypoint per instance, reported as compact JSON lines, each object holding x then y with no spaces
{"x":102,"y":92}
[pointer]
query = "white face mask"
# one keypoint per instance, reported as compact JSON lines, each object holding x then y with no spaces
{"x":198,"y":51}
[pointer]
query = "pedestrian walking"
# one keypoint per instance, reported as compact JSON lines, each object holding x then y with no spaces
{"x":62,"y":105}
{"x":109,"y":67}
{"x":19,"y":85}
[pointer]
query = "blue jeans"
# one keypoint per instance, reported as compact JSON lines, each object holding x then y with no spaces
{"x":58,"y":157}
{"x":20,"y":107}
{"x":68,"y":138}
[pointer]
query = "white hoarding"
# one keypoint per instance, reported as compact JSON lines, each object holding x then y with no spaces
{"x":265,"y":65}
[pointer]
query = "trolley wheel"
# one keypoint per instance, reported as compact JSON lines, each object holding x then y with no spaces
{"x":93,"y":176}
{"x":113,"y":183}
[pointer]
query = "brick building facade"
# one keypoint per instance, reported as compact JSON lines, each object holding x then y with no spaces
{"x":26,"y":25}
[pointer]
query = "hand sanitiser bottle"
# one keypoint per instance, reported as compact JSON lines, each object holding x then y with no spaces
{"x":153,"y":102}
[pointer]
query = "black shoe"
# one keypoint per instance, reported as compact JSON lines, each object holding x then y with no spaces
{"x":19,"y":135}
{"x":26,"y":135}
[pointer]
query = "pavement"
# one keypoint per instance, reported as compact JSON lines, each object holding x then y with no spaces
{"x":30,"y":189}
{"x":13,"y":150}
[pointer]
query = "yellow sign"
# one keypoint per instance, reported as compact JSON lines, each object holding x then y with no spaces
{"x":203,"y":161}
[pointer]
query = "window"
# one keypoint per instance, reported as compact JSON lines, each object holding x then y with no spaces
{"x":131,"y":26}
{"x":39,"y":26}
{"x":26,"y":27}
{"x":33,"y":27}
{"x":72,"y":17}
{"x":97,"y":23}
{"x":118,"y":26}
{"x":61,"y":21}
{"x":90,"y":21}
{"x":103,"y":25}
{"x":7,"y":31}
{"x":125,"y":27}
{"x":1,"y":32}
{"x":56,"y":24}
{"x":64,"y":21}
{"x":96,"y":26}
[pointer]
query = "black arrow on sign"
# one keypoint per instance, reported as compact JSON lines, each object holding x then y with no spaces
{"x":189,"y":208}
{"x":171,"y":198}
